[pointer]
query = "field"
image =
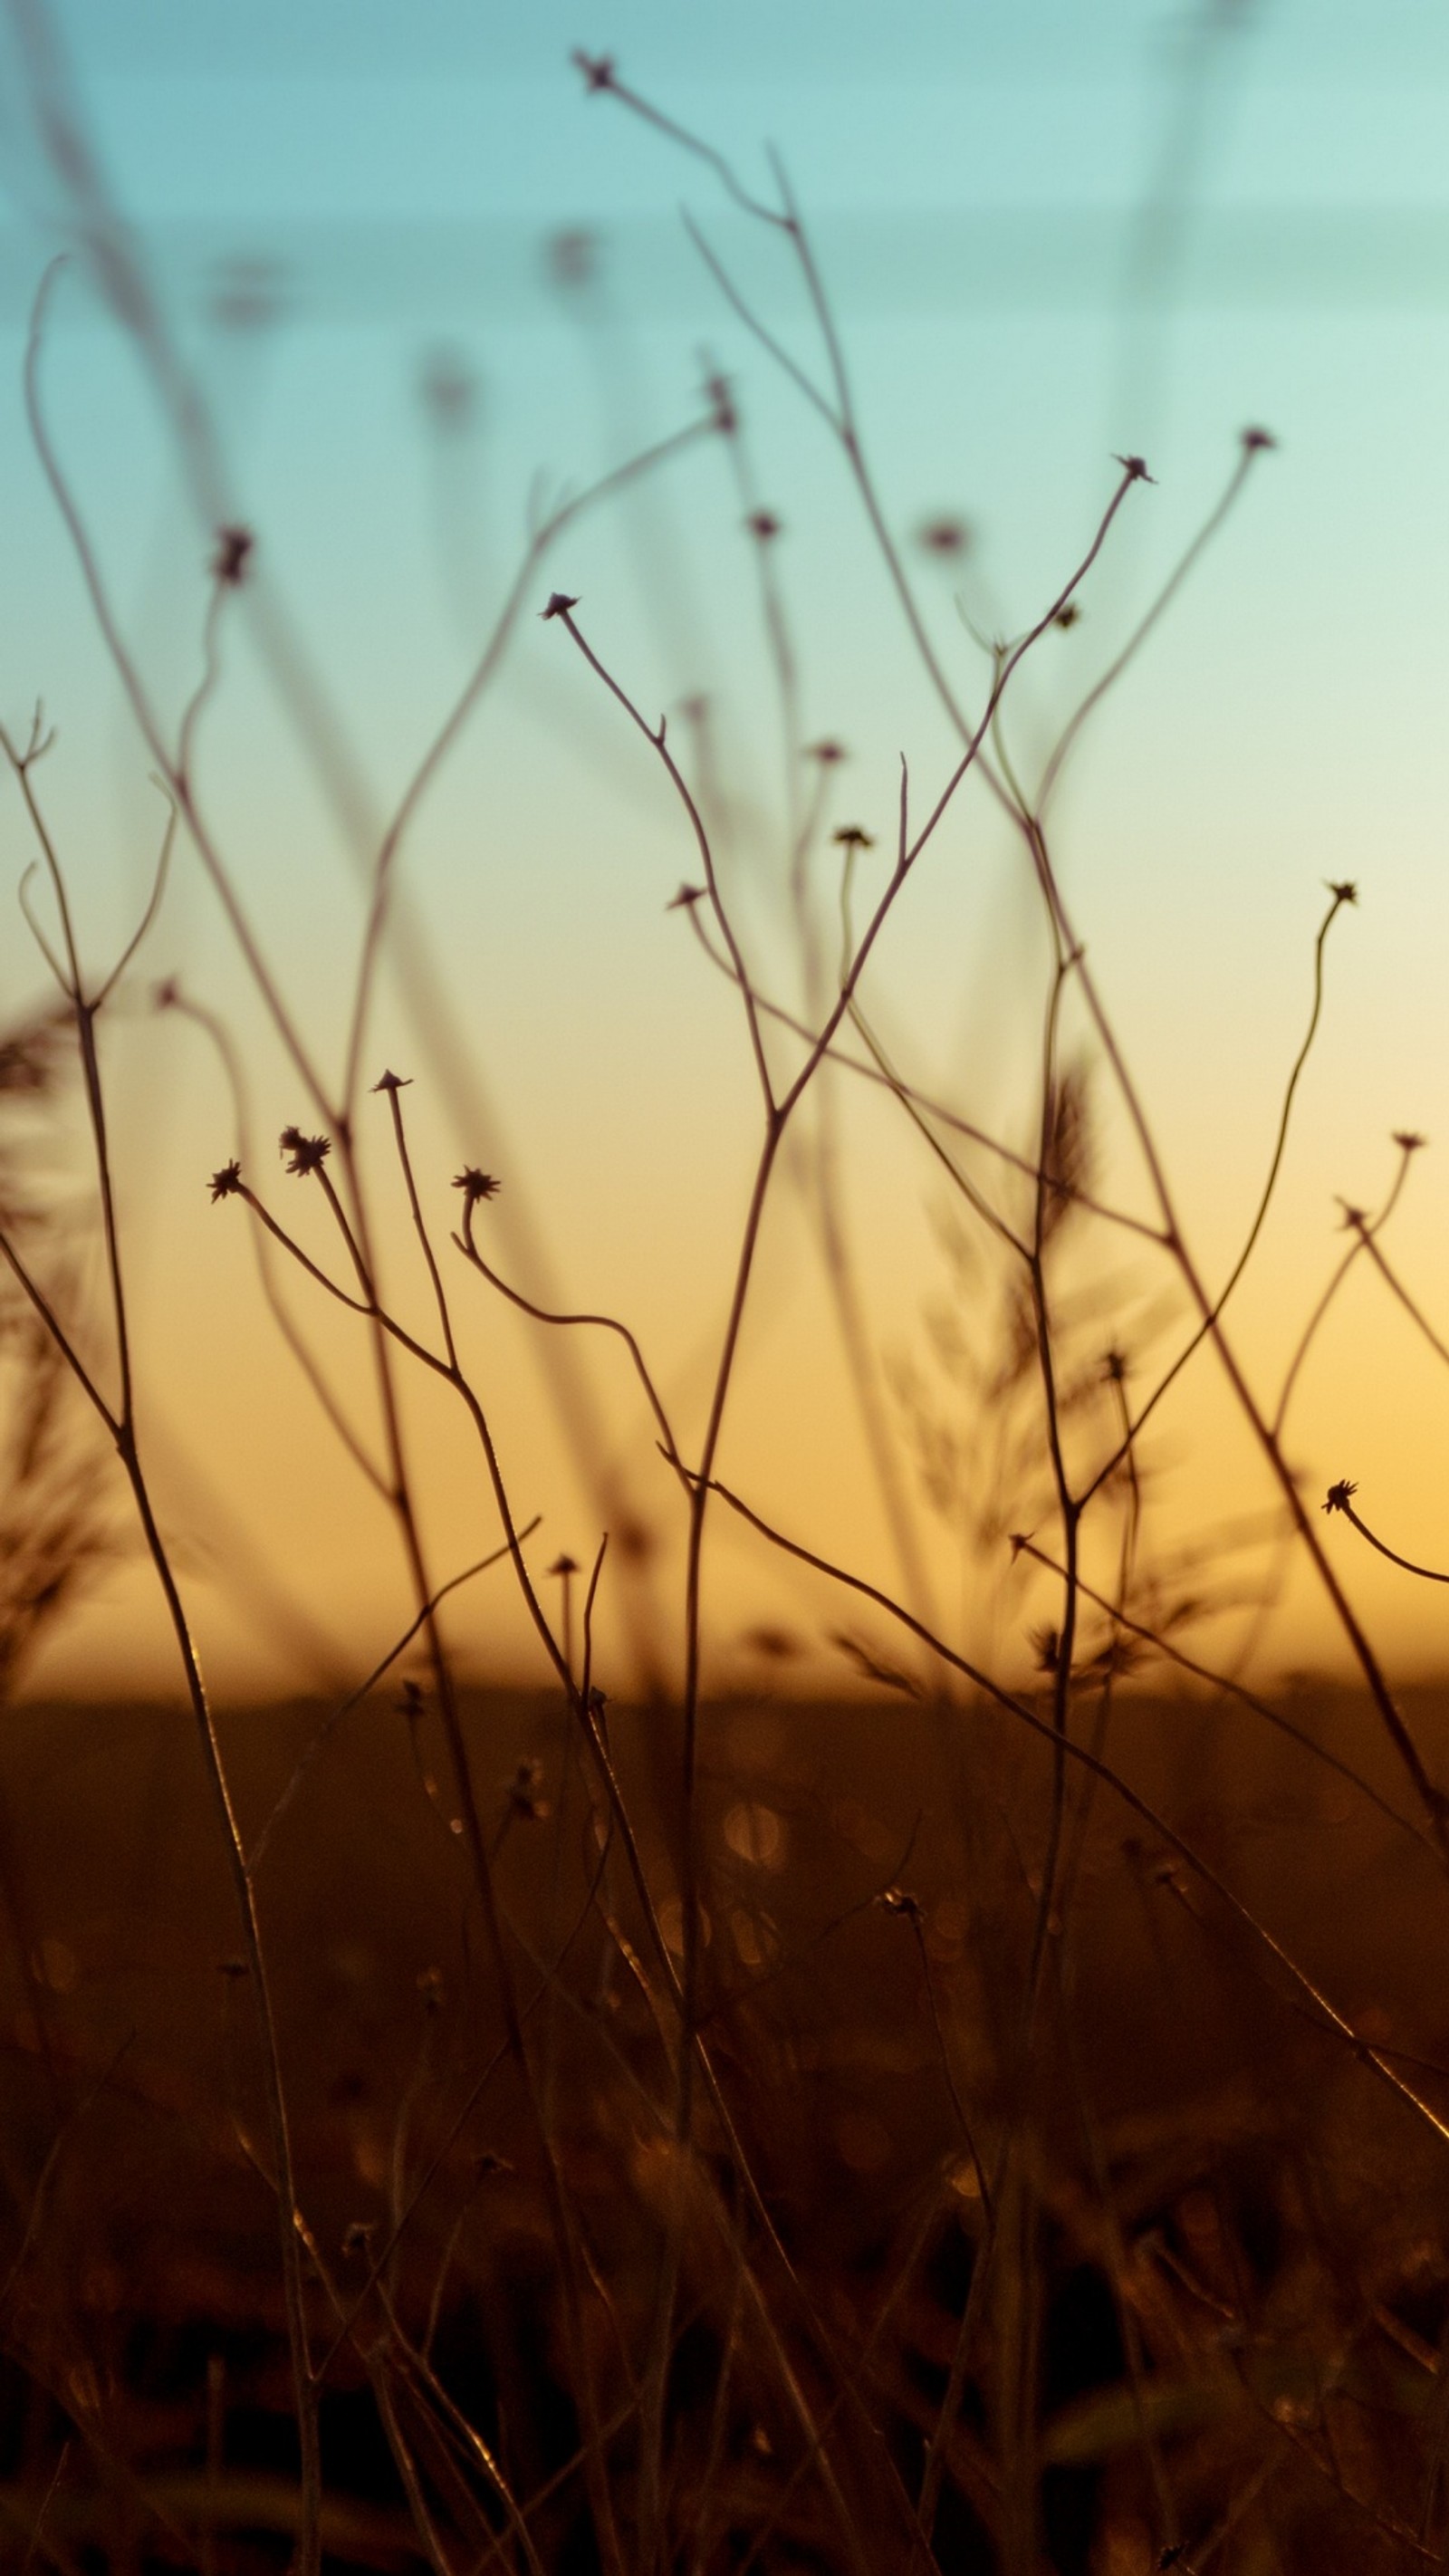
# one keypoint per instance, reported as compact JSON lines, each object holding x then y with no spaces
{"x":886,"y":2013}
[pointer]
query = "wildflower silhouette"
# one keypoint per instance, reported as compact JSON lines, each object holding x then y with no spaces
{"x":226,"y":1183}
{"x":475,"y":1185}
{"x":598,"y":69}
{"x":234,"y":547}
{"x":304,"y":1153}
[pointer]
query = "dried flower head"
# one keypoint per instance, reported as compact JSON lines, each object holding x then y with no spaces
{"x":1340,"y":1495}
{"x":764,"y":525}
{"x":393,"y":1082}
{"x":686,"y":899}
{"x":475,"y":1185}
{"x":1046,"y":1646}
{"x":1408,"y":1140}
{"x":828,"y":752}
{"x":1135,"y":469}
{"x":944,"y":536}
{"x":899,"y":1900}
{"x":564,"y":1564}
{"x":1068,"y":617}
{"x":721,"y":401}
{"x":232,"y":555}
{"x":304,"y":1153}
{"x":1342,"y":889}
{"x":559,"y":604}
{"x":598,"y":69}
{"x":226,"y":1183}
{"x":851,"y":836}
{"x":1256,"y":440}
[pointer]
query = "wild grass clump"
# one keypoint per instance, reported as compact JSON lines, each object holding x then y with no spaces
{"x":990,"y":2118}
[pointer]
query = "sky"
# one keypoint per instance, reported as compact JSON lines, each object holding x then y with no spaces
{"x":421,"y":287}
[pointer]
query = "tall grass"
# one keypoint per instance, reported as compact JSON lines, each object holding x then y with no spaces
{"x":939,"y":2127}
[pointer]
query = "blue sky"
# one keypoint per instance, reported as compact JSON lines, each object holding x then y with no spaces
{"x":1048,"y":232}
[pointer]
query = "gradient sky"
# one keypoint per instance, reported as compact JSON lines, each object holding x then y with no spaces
{"x":1049,"y":234}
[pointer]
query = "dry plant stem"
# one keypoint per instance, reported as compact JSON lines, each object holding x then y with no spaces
{"x":467,"y":1245}
{"x":1365,"y":1228}
{"x":1069,"y":1509}
{"x":215,"y":1028}
{"x":883,"y":1073}
{"x":1340,"y":895}
{"x":1393,"y":1282}
{"x":1338,"y":1501}
{"x":323,"y":1735}
{"x":1433,"y":1799}
{"x":146,"y":719}
{"x":423,"y":2523}
{"x":121,"y":1424}
{"x":600,"y":2495}
{"x":1126,"y":1569}
{"x":1253,"y":446}
{"x":778,"y":1111}
{"x":823,"y":1191}
{"x":384,"y":866}
{"x":1224,"y":1682}
{"x":1377,"y":2060}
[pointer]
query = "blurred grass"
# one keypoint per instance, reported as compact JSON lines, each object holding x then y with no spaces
{"x":1201,"y":2167}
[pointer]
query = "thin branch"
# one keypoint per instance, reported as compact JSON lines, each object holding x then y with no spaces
{"x":1339,"y":1500}
{"x":323,"y":1734}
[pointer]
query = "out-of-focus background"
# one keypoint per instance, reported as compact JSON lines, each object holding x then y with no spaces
{"x":380,"y":282}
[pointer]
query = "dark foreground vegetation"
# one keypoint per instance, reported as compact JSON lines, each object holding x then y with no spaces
{"x":1214,"y":2320}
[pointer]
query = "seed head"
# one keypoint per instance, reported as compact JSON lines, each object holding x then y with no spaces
{"x":686,"y":899}
{"x":304,"y":1153}
{"x":559,"y":604}
{"x":851,"y":836}
{"x":764,"y":525}
{"x":944,"y":536}
{"x":598,"y":69}
{"x":1340,"y":1496}
{"x":1256,"y":440}
{"x":1135,"y":469}
{"x":1342,"y":889}
{"x":393,"y":1082}
{"x":475,"y":1185}
{"x":226,"y":1183}
{"x":829,"y":752}
{"x":1408,"y":1141}
{"x":233,"y":554}
{"x":722,"y":403}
